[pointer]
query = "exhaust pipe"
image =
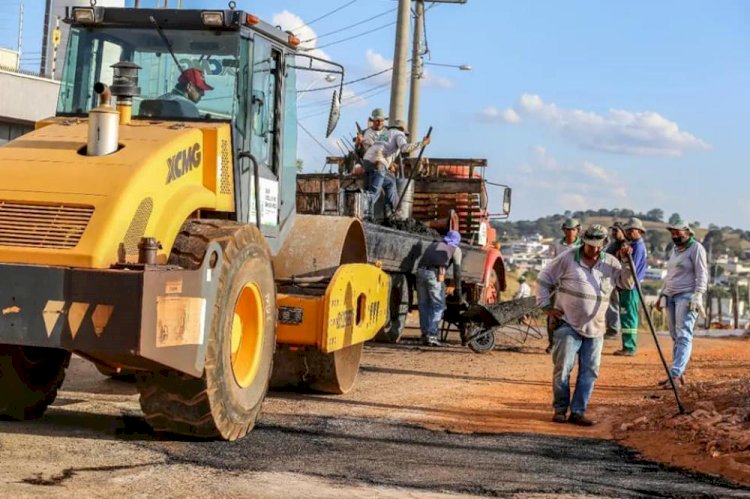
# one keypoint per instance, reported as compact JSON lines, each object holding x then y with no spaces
{"x":103,"y":125}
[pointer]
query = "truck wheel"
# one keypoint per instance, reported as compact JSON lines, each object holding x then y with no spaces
{"x":312,"y":369}
{"x":226,"y":400}
{"x":29,"y":379}
{"x":398,"y":310}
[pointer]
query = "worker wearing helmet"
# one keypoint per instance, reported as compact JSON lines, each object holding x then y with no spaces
{"x":189,"y":90}
{"x":379,"y":157}
{"x":628,"y":298}
{"x":582,"y":279}
{"x":682,"y":295}
{"x":571,"y":227}
{"x":616,"y":239}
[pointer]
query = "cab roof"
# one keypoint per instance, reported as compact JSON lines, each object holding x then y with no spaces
{"x":234,"y":20}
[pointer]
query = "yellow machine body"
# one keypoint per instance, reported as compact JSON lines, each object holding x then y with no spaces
{"x":352,"y":310}
{"x":60,"y":207}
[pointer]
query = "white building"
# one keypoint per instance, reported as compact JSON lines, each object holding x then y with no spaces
{"x":655,"y":274}
{"x":24,"y":99}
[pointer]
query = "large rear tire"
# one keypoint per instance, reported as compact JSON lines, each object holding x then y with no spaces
{"x":309,"y":368}
{"x":226,"y":401}
{"x":398,"y":309}
{"x":29,"y":379}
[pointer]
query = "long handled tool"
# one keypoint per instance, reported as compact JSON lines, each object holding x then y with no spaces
{"x":415,"y":167}
{"x":653,"y":333}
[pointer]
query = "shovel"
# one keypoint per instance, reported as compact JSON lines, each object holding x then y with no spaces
{"x":653,"y":333}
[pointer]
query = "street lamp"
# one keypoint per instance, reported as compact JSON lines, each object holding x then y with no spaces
{"x":328,"y":77}
{"x":416,"y":76}
{"x":462,"y":67}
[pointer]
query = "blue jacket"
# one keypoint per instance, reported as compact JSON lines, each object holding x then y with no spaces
{"x":639,"y":258}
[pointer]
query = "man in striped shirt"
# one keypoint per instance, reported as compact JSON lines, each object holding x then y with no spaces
{"x":583,"y":280}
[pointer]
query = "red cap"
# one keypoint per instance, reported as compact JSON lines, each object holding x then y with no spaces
{"x":195,"y":76}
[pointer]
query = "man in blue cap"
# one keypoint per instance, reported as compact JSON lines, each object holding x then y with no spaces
{"x":431,"y":284}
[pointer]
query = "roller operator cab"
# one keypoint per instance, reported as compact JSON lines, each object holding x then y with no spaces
{"x":151,"y":226}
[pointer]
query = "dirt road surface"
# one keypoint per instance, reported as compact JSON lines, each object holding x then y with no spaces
{"x":421,"y":422}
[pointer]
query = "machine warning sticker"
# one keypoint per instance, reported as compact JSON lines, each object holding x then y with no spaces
{"x":291,"y":315}
{"x":179,"y":321}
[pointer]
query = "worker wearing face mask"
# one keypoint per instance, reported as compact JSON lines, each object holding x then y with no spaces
{"x":682,"y":295}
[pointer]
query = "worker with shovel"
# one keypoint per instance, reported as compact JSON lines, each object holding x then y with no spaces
{"x":682,"y":295}
{"x":628,"y":298}
{"x":583,"y":279}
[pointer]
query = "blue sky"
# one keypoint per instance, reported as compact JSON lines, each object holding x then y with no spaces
{"x":576,"y":105}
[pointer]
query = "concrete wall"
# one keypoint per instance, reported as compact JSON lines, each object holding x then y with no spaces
{"x":26,"y":99}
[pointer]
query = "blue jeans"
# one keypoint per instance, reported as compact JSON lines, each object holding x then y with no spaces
{"x":613,"y":312}
{"x":681,"y":324}
{"x":431,"y":302}
{"x":378,"y":178}
{"x":568,"y":343}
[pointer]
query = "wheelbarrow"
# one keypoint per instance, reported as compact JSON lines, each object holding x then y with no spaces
{"x":478,"y":323}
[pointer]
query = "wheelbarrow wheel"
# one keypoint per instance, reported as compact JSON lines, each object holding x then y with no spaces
{"x":482,"y":342}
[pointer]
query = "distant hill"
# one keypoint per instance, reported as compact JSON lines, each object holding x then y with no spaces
{"x":734,"y":242}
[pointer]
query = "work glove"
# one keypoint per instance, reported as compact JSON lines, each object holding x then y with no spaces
{"x":696,"y":304}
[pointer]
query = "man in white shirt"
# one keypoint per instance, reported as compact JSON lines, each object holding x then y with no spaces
{"x":524,"y":290}
{"x":378,"y":159}
{"x":583,"y":279}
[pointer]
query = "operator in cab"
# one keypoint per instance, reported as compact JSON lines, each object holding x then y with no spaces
{"x":189,"y":90}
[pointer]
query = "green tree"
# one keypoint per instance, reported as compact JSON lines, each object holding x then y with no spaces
{"x":656,"y":215}
{"x":674,"y":218}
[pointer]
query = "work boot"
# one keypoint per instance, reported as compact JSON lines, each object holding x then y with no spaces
{"x":624,"y":353}
{"x":432,"y":341}
{"x":678,"y":381}
{"x":579,"y":419}
{"x":559,"y":417}
{"x":611,"y":333}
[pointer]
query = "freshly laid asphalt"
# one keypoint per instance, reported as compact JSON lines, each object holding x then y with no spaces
{"x":394,"y":455}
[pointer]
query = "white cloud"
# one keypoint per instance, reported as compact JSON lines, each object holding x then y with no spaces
{"x":573,"y":201}
{"x":431,"y":80}
{"x":644,"y":133}
{"x":491,"y":114}
{"x":570,"y":186}
{"x":378,"y":63}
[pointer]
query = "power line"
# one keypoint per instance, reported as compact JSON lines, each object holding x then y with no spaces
{"x":352,"y":99}
{"x":348,"y":27}
{"x":355,"y":36}
{"x":326,"y":15}
{"x":350,"y":82}
{"x":327,"y":102}
{"x":313,"y":137}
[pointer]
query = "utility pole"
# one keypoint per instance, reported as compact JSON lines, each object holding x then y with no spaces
{"x":45,"y":39}
{"x":417,"y":52}
{"x":20,"y":35}
{"x":398,"y":80}
{"x":417,"y":64}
